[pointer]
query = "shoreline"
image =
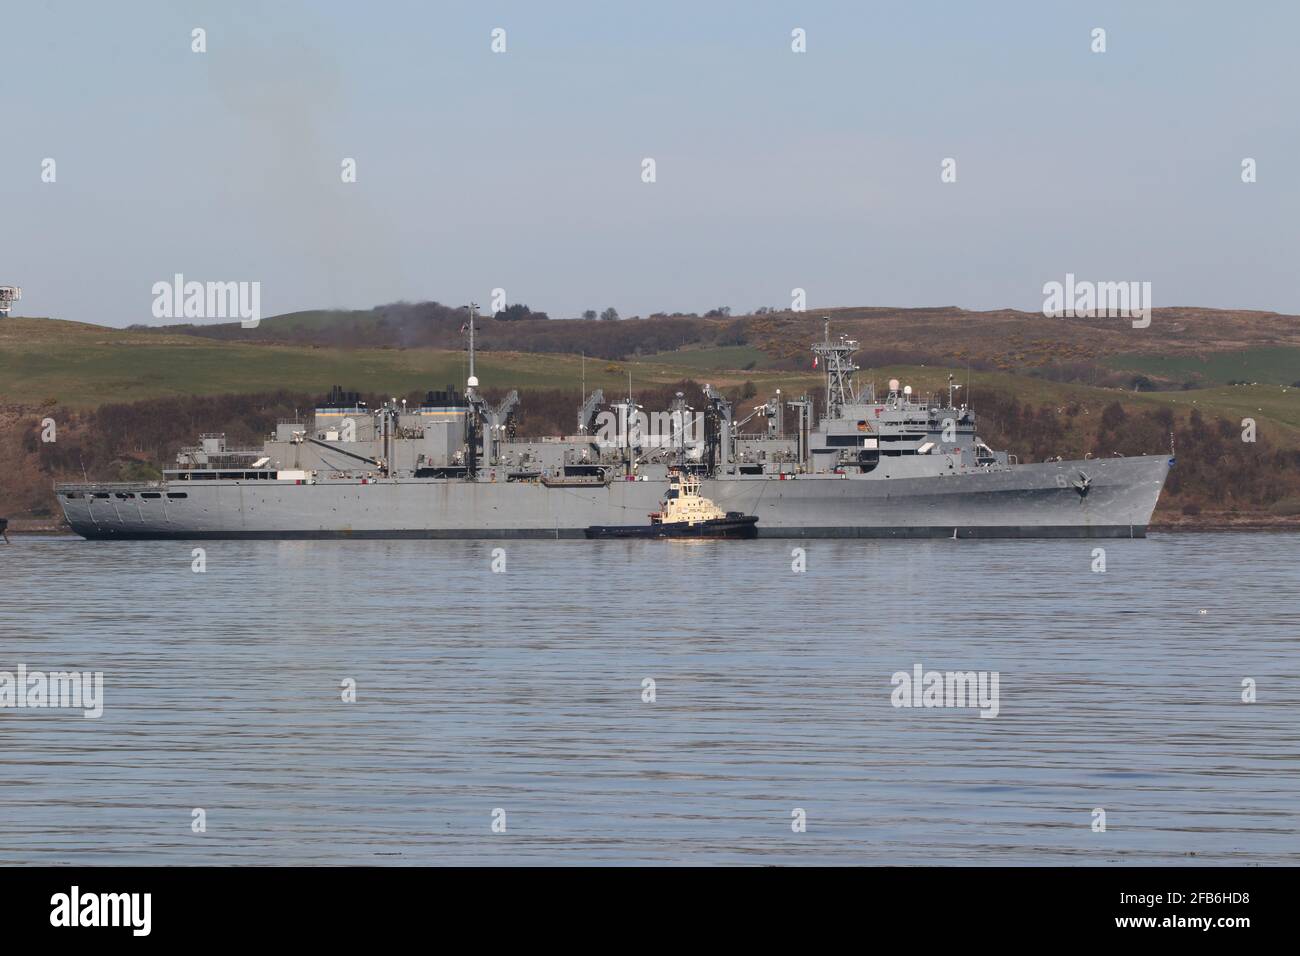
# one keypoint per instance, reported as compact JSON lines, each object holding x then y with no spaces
{"x":1231,"y":521}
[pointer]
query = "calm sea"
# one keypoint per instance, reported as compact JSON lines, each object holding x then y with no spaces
{"x":518,"y":698}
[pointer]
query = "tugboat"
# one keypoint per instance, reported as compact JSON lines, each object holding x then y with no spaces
{"x":684,"y":514}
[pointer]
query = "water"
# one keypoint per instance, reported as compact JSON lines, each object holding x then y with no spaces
{"x":523,"y":691}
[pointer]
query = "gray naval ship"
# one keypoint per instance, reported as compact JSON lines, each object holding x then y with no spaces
{"x":454,"y":467}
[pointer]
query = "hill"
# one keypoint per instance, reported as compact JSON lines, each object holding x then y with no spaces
{"x":1092,"y":350}
{"x":46,"y":361}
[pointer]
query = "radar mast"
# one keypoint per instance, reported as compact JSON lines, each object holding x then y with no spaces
{"x":836,"y":358}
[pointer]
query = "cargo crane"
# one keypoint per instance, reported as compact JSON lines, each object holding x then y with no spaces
{"x":499,"y":421}
{"x":587,"y":414}
{"x":674,"y":448}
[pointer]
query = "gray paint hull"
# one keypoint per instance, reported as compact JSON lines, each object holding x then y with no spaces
{"x":1020,"y":501}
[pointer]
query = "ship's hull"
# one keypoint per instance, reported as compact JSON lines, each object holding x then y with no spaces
{"x":1038,"y":500}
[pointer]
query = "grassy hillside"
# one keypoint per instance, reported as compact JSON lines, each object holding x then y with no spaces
{"x":1279,"y":365}
{"x":735,"y":357}
{"x":44,"y":361}
{"x":1000,"y":339}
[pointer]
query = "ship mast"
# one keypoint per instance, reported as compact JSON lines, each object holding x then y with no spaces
{"x":473,"y":430}
{"x":631,"y":419}
{"x":473,"y":381}
{"x":837,"y":360}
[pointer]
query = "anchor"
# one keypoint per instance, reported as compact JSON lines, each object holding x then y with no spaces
{"x":1082,"y":484}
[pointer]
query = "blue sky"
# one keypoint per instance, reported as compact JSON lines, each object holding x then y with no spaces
{"x":522,"y":170}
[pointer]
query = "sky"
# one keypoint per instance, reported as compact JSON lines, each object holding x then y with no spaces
{"x":523,"y":170}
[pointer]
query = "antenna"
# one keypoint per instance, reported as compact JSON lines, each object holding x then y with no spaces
{"x":629,"y":419}
{"x":472,"y":382}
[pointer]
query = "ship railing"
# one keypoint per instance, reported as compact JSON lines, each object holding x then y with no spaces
{"x":231,"y":453}
{"x":189,"y":462}
{"x":108,"y":485}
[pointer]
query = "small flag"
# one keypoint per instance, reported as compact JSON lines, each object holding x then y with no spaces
{"x":815,"y":360}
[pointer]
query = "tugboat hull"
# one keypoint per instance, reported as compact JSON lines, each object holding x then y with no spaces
{"x":732,"y":526}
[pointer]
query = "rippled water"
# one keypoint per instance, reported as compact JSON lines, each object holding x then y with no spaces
{"x":522,"y":691}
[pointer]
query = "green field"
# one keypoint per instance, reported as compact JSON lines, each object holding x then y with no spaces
{"x":1264,"y":403}
{"x":82,"y":365}
{"x":1266,"y":366}
{"x":736,"y":357}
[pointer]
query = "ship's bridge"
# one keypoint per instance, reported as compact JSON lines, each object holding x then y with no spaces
{"x":909,"y":437}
